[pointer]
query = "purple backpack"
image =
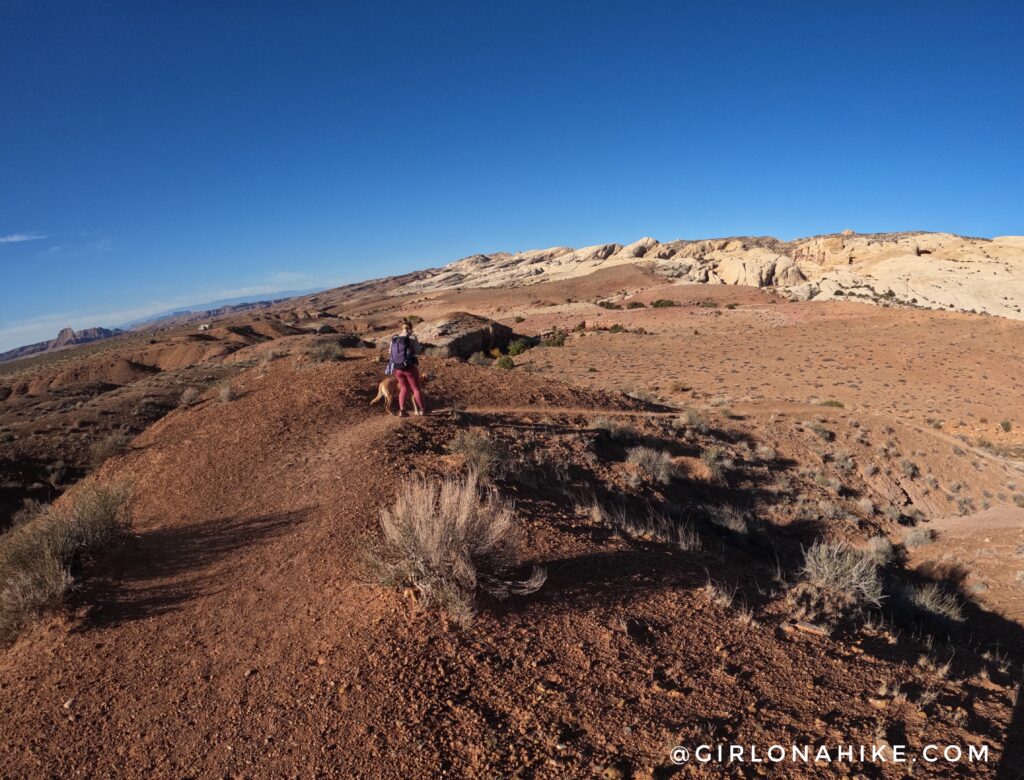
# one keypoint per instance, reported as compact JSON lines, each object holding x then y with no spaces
{"x":401,"y":354}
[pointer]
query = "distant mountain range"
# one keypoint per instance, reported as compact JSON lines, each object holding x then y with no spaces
{"x":66,"y":338}
{"x":210,"y":306}
{"x":69,"y":337}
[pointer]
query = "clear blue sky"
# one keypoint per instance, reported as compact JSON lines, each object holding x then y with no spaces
{"x":158,"y":153}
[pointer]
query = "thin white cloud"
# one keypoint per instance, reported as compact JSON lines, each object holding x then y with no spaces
{"x":17,"y":238}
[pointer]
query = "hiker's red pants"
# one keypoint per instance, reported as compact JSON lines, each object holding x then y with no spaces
{"x":409,"y":379}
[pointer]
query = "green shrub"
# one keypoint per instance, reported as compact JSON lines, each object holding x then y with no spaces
{"x":608,"y":305}
{"x":634,"y":305}
{"x":518,"y":347}
{"x":616,"y":328}
{"x":519,"y":319}
{"x":505,"y":362}
{"x":663,"y":303}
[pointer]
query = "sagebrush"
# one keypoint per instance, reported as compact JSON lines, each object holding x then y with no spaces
{"x":450,"y":541}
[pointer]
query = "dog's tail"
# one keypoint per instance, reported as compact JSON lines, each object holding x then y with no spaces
{"x":380,"y":395}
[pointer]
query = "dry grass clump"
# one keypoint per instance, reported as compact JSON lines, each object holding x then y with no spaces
{"x":728,"y":517}
{"x":657,"y":464}
{"x":838,"y":583}
{"x":108,"y":447}
{"x":37,"y":557}
{"x":225,"y":393}
{"x":880,"y":551}
{"x":188,"y":396}
{"x":615,"y":428}
{"x":325,"y":352}
{"x":919,"y":537}
{"x":936,"y":601}
{"x":650,"y":526}
{"x":448,"y":543}
{"x":483,"y":455}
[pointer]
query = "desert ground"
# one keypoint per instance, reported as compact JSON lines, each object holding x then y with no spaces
{"x":234,"y":630}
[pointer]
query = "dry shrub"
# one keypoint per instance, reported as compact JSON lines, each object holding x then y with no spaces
{"x":657,"y":464}
{"x":614,"y":428}
{"x":838,"y":583}
{"x":919,"y":537}
{"x":728,"y":517}
{"x":651,"y":526}
{"x":449,"y":543}
{"x":325,"y":352}
{"x":483,"y":455}
{"x":38,"y":556}
{"x":108,"y":447}
{"x":225,"y":393}
{"x":937,"y":601}
{"x":880,"y":551}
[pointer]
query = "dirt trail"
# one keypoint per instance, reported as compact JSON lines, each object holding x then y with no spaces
{"x":216,"y":634}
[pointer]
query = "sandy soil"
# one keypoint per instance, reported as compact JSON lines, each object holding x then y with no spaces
{"x":234,"y":635}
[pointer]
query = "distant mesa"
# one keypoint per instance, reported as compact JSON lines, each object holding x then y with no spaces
{"x":67,"y":337}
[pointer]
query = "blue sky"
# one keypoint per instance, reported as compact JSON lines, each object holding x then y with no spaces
{"x":160,"y":153}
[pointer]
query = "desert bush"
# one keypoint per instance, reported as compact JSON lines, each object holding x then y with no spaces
{"x":30,"y":509}
{"x":617,"y":328}
{"x":556,"y":339}
{"x":37,"y":556}
{"x":479,"y":359}
{"x":608,"y":305}
{"x":730,"y":518}
{"x":225,"y":393}
{"x":880,"y":551}
{"x":663,"y":303}
{"x":449,"y":543}
{"x":483,"y":455}
{"x":517,"y":319}
{"x":325,"y":352}
{"x":108,"y":447}
{"x":919,"y":537}
{"x":1006,"y":425}
{"x":615,"y":428}
{"x":696,"y":421}
{"x":832,"y":402}
{"x":634,"y":305}
{"x":505,"y":362}
{"x":937,"y":601}
{"x":910,"y":469}
{"x":518,"y":347}
{"x":866,"y":505}
{"x":657,"y":464}
{"x":188,"y":396}
{"x":838,"y":583}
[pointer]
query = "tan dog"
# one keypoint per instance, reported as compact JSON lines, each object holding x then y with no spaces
{"x":388,"y":390}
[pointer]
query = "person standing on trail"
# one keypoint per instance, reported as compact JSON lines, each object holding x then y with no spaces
{"x":404,"y":364}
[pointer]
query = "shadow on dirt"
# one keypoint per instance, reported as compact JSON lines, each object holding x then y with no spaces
{"x":145,"y":564}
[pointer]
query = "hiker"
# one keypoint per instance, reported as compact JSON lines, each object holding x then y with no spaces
{"x":404,"y":364}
